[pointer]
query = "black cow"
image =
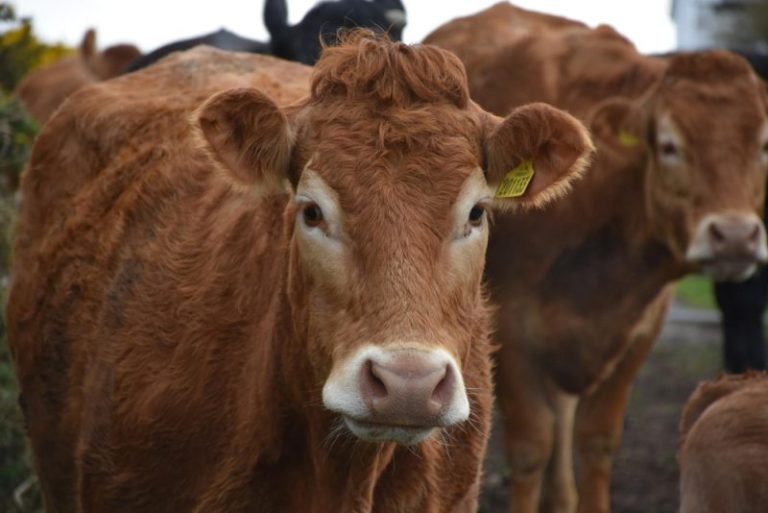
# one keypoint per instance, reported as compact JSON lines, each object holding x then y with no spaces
{"x":300,"y":42}
{"x":742,"y":304}
{"x":222,"y":39}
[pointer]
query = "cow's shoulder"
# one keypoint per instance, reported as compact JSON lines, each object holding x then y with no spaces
{"x":140,"y":123}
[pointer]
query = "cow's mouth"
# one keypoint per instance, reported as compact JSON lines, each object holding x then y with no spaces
{"x":375,"y":432}
{"x":731,"y":269}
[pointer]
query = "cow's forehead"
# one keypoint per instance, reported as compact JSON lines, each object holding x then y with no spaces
{"x":417,"y":154}
{"x":690,"y":103}
{"x":734,"y":110}
{"x":434,"y":169}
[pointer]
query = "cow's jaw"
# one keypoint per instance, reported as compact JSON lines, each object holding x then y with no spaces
{"x":371,"y":432}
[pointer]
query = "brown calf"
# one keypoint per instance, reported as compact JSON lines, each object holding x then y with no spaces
{"x":725,"y":447}
{"x":42,"y":91}
{"x":676,"y":186}
{"x":234,"y":306}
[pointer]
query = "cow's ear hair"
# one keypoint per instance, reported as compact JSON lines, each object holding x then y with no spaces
{"x":249,"y":135}
{"x":617,"y":123}
{"x":534,"y":155}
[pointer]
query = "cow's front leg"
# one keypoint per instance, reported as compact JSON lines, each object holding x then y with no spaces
{"x":528,"y":427}
{"x":559,"y":494}
{"x":600,"y":416}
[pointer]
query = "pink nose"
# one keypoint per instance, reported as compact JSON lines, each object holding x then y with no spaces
{"x":735,"y":237}
{"x":407,"y":389}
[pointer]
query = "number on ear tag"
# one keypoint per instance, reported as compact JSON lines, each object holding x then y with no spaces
{"x":516,"y":182}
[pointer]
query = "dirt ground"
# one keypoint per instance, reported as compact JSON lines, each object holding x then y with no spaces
{"x":645,"y":476}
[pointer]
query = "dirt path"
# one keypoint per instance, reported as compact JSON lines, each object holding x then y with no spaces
{"x":645,"y":477}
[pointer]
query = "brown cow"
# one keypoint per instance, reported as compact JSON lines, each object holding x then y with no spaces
{"x":234,"y":306}
{"x":42,"y":91}
{"x":676,"y":186}
{"x":724,"y":449}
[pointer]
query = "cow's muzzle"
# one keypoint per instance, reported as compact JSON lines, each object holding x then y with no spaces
{"x":729,"y":247}
{"x":399,"y":395}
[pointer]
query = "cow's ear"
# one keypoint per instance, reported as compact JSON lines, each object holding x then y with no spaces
{"x":88,"y":45}
{"x":617,"y":123}
{"x":534,"y":154}
{"x":249,"y":135}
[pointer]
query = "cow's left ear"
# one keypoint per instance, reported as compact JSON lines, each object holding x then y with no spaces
{"x":534,"y":154}
{"x":250,"y":136}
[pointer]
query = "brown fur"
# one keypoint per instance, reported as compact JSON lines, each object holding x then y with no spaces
{"x":579,"y":313}
{"x":725,"y":445}
{"x":170,"y":337}
{"x":43,"y":90}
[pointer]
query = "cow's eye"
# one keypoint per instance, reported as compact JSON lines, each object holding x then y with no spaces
{"x":668,"y":149}
{"x":765,"y":153}
{"x":669,"y":152}
{"x":476,"y":215}
{"x":312,"y":215}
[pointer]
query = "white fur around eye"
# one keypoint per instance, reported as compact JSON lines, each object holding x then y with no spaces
{"x":669,"y":143}
{"x":475,"y":193}
{"x":312,"y":190}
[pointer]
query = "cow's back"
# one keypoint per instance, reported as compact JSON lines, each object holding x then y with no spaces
{"x":127,"y":227}
{"x":514,"y":56}
{"x":724,"y":448}
{"x":491,"y":28}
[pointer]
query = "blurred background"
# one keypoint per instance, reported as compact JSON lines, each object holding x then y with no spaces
{"x":149,"y":24}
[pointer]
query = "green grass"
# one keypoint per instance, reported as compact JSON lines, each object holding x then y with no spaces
{"x":696,"y":292}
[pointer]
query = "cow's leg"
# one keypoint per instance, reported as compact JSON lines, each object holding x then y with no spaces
{"x":600,"y":416}
{"x":742,"y":305}
{"x":734,"y":359}
{"x":559,"y":495}
{"x":528,"y":427}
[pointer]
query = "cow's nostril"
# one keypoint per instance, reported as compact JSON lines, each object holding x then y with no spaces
{"x":716,"y":233}
{"x":373,"y":381}
{"x":444,"y":389}
{"x":754,"y":236}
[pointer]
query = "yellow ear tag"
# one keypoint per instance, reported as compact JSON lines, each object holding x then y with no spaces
{"x":628,"y":139}
{"x":516,"y":181}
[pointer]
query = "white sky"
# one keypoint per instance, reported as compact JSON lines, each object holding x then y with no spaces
{"x":152,"y":23}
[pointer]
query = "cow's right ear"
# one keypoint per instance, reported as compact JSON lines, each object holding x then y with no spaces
{"x":617,"y":122}
{"x":249,"y":135}
{"x":534,"y":155}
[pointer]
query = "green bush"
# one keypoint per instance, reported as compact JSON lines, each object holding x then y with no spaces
{"x":20,"y":52}
{"x":15,"y":470}
{"x":17,"y":132}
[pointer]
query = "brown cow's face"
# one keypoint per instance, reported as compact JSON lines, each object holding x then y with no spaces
{"x":708,"y":145}
{"x":704,"y":133}
{"x":391,"y":247}
{"x":389,"y":226}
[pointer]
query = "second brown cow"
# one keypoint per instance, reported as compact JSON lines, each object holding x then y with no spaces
{"x":676,"y":186}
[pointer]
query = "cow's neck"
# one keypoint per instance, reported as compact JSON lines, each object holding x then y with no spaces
{"x":573,"y":279}
{"x":613,"y":244}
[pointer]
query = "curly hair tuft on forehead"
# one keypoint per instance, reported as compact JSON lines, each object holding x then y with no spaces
{"x":369,"y":67}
